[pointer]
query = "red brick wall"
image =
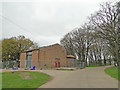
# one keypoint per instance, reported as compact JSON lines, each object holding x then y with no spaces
{"x":47,"y":56}
{"x":22,"y":60}
{"x":35,"y":57}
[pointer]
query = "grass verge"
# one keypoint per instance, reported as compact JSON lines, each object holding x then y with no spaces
{"x":23,"y":79}
{"x":98,"y":65}
{"x":113,"y":72}
{"x":65,"y":69}
{"x":0,"y":80}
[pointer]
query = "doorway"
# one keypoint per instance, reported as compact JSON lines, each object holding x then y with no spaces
{"x":57,"y":62}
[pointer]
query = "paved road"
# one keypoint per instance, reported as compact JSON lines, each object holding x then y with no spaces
{"x":92,"y":77}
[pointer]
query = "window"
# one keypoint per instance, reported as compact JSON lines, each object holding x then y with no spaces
{"x":28,"y":59}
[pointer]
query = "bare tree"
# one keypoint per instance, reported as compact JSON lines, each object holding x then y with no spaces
{"x":77,"y":42}
{"x":118,"y":28}
{"x":106,"y":20}
{"x":95,"y":42}
{"x":66,"y":41}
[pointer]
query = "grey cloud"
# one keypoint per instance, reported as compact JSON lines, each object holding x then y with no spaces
{"x":45,"y":22}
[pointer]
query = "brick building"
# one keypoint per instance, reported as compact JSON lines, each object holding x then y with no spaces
{"x":45,"y":57}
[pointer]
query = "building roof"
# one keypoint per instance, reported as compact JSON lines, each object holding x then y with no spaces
{"x":30,"y":50}
{"x":40,"y":48}
{"x":70,"y":56}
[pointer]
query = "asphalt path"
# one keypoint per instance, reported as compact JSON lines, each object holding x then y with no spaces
{"x":90,"y":77}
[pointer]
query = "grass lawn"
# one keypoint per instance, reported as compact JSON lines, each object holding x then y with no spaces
{"x":23,"y":79}
{"x":98,"y":65}
{"x":112,"y":71}
{"x":0,"y":80}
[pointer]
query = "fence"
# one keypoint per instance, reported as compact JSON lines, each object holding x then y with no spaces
{"x":9,"y":64}
{"x":0,"y":64}
{"x":43,"y":64}
{"x":81,"y":64}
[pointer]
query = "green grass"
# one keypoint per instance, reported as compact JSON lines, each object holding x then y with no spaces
{"x":112,"y":71}
{"x":65,"y":69}
{"x":14,"y":79}
{"x":0,"y":80}
{"x":97,"y":65}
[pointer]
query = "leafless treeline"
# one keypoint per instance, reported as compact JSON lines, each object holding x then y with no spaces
{"x":96,"y":41}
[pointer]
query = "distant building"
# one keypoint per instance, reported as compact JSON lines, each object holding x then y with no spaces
{"x":45,"y":57}
{"x":71,"y":61}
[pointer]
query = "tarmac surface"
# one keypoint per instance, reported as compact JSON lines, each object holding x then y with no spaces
{"x":90,"y":77}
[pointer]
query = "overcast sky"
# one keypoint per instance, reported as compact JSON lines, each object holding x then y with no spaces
{"x":44,"y":21}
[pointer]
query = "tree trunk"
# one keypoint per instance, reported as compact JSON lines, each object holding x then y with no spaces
{"x":104,"y":60}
